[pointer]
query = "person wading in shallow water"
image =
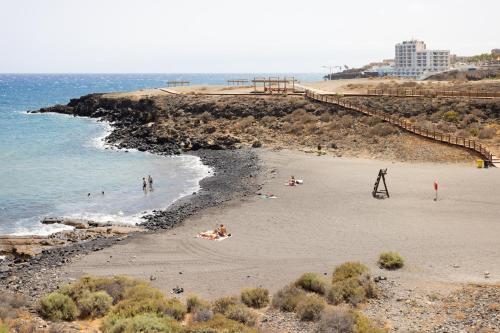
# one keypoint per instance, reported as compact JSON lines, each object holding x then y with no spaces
{"x":150,"y":182}
{"x":144,"y":184}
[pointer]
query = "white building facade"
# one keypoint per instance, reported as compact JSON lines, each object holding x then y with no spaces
{"x":413,"y":60}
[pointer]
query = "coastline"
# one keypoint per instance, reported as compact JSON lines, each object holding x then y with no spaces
{"x":233,"y":175}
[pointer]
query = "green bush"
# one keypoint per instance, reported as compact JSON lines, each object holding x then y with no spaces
{"x":353,"y":290}
{"x":451,"y":116}
{"x":143,"y":298}
{"x":312,"y":282}
{"x":219,"y":324}
{"x":363,"y":324}
{"x":4,"y":328}
{"x":221,"y":305}
{"x":286,"y":299}
{"x":348,"y":270}
{"x":114,"y":287}
{"x":56,"y":306}
{"x":309,"y":308}
{"x":144,"y":323}
{"x":390,"y":260}
{"x":94,"y":305}
{"x":242,"y":314}
{"x":255,"y":297}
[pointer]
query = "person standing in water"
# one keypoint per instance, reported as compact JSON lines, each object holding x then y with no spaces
{"x":150,"y":182}
{"x":144,"y":184}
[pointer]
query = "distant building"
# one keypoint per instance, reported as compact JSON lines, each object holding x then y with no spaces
{"x":413,"y":60}
{"x":496,"y":54}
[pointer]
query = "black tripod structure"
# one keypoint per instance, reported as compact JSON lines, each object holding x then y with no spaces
{"x":382,"y":193}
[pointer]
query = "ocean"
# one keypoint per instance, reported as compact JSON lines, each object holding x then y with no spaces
{"x":50,"y":163}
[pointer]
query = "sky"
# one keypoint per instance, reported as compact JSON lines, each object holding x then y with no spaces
{"x":232,"y":36}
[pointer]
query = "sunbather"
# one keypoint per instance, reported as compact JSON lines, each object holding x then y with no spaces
{"x":291,"y":182}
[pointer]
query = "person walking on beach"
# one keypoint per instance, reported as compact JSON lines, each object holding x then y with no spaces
{"x":144,"y":185}
{"x":150,"y":182}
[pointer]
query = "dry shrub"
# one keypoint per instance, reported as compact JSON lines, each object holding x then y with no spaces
{"x":268,"y":120}
{"x":325,"y":117}
{"x":337,"y":319}
{"x":344,"y":320}
{"x":94,"y":305}
{"x":352,"y":284}
{"x":347,"y":121}
{"x":255,"y":297}
{"x":144,"y":322}
{"x":203,"y":314}
{"x":348,"y":270}
{"x":219,"y":324}
{"x":193,"y":302}
{"x":222,"y":304}
{"x":242,"y":314}
{"x":145,"y":299}
{"x":206,"y":116}
{"x":246,"y":122}
{"x":287,"y":298}
{"x":451,"y":116}
{"x":312,"y":282}
{"x":56,"y":306}
{"x":371,"y":121}
{"x":487,"y":133}
{"x":390,"y":260}
{"x":383,"y":129}
{"x":309,"y":308}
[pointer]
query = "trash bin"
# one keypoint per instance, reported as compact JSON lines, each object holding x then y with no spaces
{"x":479,"y":164}
{"x":486,"y":164}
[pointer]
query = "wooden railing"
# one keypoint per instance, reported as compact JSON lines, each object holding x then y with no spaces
{"x":404,"y":92}
{"x":473,"y":145}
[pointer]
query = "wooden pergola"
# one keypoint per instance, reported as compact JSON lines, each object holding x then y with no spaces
{"x":238,"y":82}
{"x":177,"y":83}
{"x":271,"y":85}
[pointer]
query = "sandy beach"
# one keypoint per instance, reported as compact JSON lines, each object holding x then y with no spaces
{"x":329,"y":219}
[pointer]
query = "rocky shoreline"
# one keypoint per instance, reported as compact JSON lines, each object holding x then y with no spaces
{"x":234,"y":175}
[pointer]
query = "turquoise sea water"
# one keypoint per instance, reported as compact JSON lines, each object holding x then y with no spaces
{"x":49,"y":163}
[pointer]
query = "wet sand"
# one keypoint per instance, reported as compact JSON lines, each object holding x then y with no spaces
{"x":329,"y":219}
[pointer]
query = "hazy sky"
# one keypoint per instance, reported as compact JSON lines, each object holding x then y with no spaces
{"x":75,"y":36}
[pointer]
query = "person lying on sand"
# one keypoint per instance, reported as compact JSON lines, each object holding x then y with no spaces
{"x":292,"y":182}
{"x":219,"y":232}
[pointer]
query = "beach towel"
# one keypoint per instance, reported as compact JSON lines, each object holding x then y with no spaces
{"x":268,"y":196}
{"x":297,"y":182}
{"x":207,"y":235}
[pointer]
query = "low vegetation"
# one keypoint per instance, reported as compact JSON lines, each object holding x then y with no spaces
{"x":312,"y":282}
{"x":255,"y":297}
{"x":287,"y":298}
{"x":390,"y":260}
{"x":345,"y":320}
{"x":309,"y":307}
{"x":126,"y":305}
{"x":56,"y":306}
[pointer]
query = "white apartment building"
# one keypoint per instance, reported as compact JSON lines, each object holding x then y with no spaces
{"x":414,"y":60}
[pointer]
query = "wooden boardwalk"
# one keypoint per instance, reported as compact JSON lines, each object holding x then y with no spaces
{"x":473,"y":145}
{"x":398,"y":92}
